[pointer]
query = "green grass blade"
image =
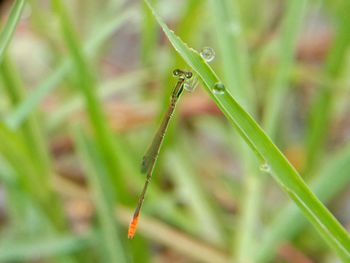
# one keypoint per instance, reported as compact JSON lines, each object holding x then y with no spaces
{"x":26,"y":250}
{"x":149,"y":36}
{"x":14,"y":151}
{"x":207,"y":224}
{"x":192,"y":18}
{"x":291,"y":26}
{"x":102,"y":192}
{"x":10,"y":27}
{"x":321,"y":109}
{"x":91,"y":47}
{"x":235,"y":63}
{"x":35,"y":144}
{"x":30,"y":130}
{"x":233,"y":50}
{"x":105,"y":90}
{"x":332,"y":178}
{"x":87,"y":87}
{"x":7,"y":174}
{"x":287,"y":177}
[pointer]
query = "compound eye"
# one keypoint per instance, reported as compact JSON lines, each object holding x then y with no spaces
{"x":189,"y":74}
{"x":177,"y":72}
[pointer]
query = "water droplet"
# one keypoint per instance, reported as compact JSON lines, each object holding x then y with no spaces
{"x":219,"y":88}
{"x":265,"y":167}
{"x":208,"y":54}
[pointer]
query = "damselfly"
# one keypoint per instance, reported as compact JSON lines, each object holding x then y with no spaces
{"x":152,"y":153}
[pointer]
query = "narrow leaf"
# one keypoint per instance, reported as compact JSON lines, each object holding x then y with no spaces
{"x":10,"y":27}
{"x":283,"y":172}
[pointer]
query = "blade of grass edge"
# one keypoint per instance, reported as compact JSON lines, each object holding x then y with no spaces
{"x":87,"y":86}
{"x":45,"y":247}
{"x":290,"y":29}
{"x":207,"y":221}
{"x":235,"y":64}
{"x":26,"y":106}
{"x":288,"y":178}
{"x":323,"y":105}
{"x":332,"y":178}
{"x":102,"y":196}
{"x":10,"y":27}
{"x":35,"y":144}
{"x":235,"y":59}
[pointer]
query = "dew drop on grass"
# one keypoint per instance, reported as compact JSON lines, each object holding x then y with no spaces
{"x":219,"y":88}
{"x":265,"y":167}
{"x":208,"y":54}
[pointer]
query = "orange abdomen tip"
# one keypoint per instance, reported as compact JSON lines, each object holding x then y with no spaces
{"x":132,"y":227}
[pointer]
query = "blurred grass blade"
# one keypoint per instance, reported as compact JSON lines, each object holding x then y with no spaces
{"x":149,"y":36}
{"x":235,"y":64}
{"x":10,"y":27}
{"x":287,"y":177}
{"x":90,"y":49}
{"x":7,"y":174}
{"x":105,"y":90}
{"x":35,"y":144}
{"x":103,"y":198}
{"x":87,"y":85}
{"x":290,"y":28}
{"x":333,"y":177}
{"x":322,"y":107}
{"x":30,"y":131}
{"x":233,"y":50}
{"x":15,"y":151}
{"x":167,"y":235}
{"x":28,"y":250}
{"x":207,"y":224}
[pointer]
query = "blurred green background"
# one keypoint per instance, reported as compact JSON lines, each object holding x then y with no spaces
{"x":83,"y":87}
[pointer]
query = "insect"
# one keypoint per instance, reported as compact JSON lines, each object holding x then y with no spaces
{"x":150,"y":158}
